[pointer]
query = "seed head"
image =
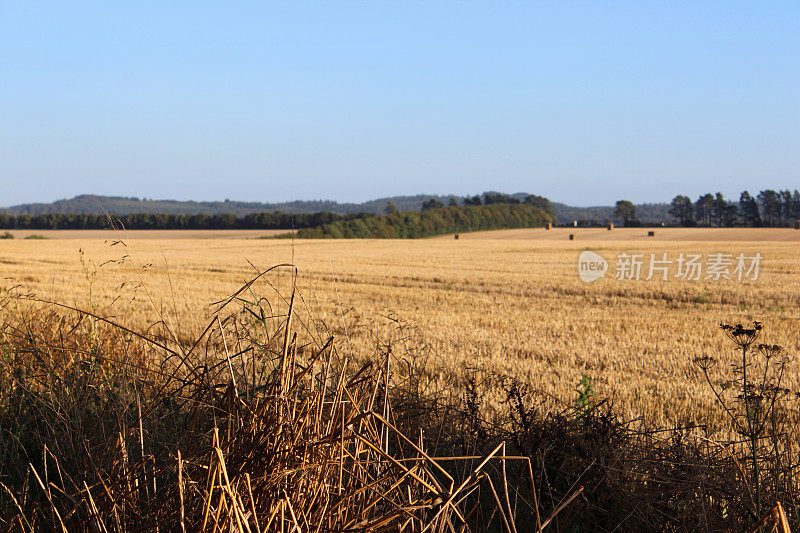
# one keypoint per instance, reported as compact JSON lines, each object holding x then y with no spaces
{"x":770,"y":350}
{"x":740,"y":335}
{"x":705,"y":362}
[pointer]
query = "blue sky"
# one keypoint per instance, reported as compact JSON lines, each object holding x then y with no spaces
{"x":585,"y":102}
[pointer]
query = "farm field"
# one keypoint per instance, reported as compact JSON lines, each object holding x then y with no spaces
{"x":146,"y":234}
{"x":640,"y":234}
{"x":506,"y":301}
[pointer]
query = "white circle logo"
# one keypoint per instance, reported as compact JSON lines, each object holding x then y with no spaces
{"x":591,"y":266}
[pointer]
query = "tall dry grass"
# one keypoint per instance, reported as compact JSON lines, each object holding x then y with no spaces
{"x":259,"y":424}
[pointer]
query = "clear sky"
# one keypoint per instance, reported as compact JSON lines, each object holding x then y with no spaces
{"x":585,"y":102}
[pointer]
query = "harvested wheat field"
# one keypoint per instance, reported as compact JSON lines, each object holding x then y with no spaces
{"x":515,"y":306}
{"x":150,"y":234}
{"x":641,"y":234}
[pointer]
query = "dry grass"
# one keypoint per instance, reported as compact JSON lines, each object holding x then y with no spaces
{"x":258,"y":424}
{"x":513,"y":306}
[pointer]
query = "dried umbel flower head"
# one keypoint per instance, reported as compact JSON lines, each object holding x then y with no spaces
{"x":774,"y":392}
{"x":740,"y":335}
{"x":753,"y":398}
{"x":705,"y":362}
{"x":770,"y":350}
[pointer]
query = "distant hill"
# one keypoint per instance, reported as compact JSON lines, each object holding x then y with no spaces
{"x":120,"y":205}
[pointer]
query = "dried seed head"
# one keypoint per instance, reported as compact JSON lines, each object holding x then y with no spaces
{"x":776,"y":392}
{"x":741,"y":335}
{"x":705,"y":362}
{"x":770,"y":350}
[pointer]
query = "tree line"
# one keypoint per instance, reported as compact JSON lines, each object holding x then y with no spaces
{"x":434,"y":221}
{"x":767,"y":208}
{"x":260,"y":220}
{"x":264,"y":220}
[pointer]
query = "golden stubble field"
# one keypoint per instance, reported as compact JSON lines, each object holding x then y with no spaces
{"x":508,"y":302}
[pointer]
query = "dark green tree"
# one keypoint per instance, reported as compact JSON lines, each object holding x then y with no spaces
{"x":499,"y":198}
{"x":703,"y":209}
{"x":542,"y":203}
{"x":433,"y":203}
{"x":723,"y":213}
{"x":682,"y":209}
{"x":748,"y":210}
{"x":795,"y":206}
{"x":770,"y":204}
{"x":626,"y":211}
{"x":475,"y":200}
{"x":786,"y":206}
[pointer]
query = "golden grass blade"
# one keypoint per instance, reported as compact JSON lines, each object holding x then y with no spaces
{"x":562,"y":506}
{"x":50,"y":498}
